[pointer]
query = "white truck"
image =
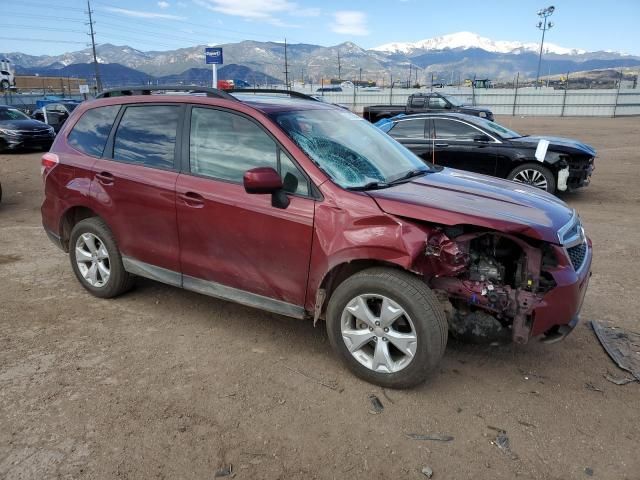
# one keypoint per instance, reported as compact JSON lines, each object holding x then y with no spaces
{"x":7,"y":77}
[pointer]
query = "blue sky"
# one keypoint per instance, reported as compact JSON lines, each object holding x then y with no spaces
{"x":40,"y":27}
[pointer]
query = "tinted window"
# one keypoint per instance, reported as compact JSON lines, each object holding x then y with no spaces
{"x":417,"y":102}
{"x":225,"y":145}
{"x":12,"y":114}
{"x":292,"y":179}
{"x":437,"y":102}
{"x":147,"y":135}
{"x":90,"y":134}
{"x":454,"y":129}
{"x":408,"y":129}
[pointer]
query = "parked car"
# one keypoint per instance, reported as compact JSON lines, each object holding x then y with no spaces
{"x":478,"y":145}
{"x":425,"y":103}
{"x":300,"y":208}
{"x":17,"y":131}
{"x":55,"y":114}
{"x":328,"y":89}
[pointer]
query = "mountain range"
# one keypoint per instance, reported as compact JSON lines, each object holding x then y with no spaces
{"x":448,"y":58}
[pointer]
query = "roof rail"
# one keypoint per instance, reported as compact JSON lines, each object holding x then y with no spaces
{"x":291,"y":93}
{"x":147,"y":89}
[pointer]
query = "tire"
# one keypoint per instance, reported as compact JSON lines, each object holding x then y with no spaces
{"x":4,"y":85}
{"x":100,"y":284}
{"x":537,"y":174}
{"x":422,"y":317}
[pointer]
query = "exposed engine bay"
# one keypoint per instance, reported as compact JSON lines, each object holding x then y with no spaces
{"x":492,"y":282}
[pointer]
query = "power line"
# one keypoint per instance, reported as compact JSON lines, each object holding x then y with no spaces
{"x":44,"y":40}
{"x":42,"y":28}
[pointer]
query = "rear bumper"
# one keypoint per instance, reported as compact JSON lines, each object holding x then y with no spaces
{"x":560,"y":307}
{"x":55,"y":239}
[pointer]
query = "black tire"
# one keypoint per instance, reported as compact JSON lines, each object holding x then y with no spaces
{"x":416,"y":299}
{"x":549,"y":177}
{"x":119,"y":280}
{"x":4,"y":85}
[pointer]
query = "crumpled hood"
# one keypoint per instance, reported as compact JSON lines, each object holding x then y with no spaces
{"x":558,"y":144}
{"x":455,"y":197}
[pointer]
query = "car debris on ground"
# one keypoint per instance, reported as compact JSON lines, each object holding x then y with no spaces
{"x":622,"y":346}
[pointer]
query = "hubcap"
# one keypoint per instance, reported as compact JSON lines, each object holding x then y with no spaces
{"x":532,"y":177}
{"x":92,"y":259}
{"x":378,"y":333}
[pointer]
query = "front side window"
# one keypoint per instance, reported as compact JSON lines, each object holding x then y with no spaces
{"x":437,"y":102}
{"x":417,"y":102}
{"x":408,"y":129}
{"x":350,"y":150}
{"x":90,"y":133}
{"x":147,"y":136}
{"x":225,"y":145}
{"x":454,"y":130}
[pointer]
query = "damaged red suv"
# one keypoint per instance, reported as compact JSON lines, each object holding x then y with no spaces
{"x":301,"y":208}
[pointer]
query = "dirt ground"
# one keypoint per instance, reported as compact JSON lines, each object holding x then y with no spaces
{"x":164,"y":383}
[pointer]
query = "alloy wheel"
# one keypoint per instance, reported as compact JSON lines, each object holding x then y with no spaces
{"x":378,"y":333}
{"x":92,"y":259}
{"x":531,"y":177}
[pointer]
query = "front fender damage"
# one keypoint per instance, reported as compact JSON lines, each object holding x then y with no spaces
{"x":485,"y":273}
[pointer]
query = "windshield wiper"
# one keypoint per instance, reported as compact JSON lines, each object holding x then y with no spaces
{"x":370,"y":186}
{"x":410,"y":174}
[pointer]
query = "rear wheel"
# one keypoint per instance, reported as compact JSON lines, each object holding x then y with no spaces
{"x":4,"y":85}
{"x":387,"y":326}
{"x":96,"y":260}
{"x":534,"y":175}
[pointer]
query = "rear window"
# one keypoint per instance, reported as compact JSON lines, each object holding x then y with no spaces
{"x":91,"y":132}
{"x":147,"y":136}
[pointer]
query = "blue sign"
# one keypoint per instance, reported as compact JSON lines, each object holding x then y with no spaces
{"x":213,"y":55}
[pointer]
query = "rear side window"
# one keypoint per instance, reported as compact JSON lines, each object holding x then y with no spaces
{"x":408,"y":129}
{"x":90,"y":133}
{"x":146,"y":136}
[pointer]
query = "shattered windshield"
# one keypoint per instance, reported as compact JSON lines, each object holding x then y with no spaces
{"x":350,"y":150}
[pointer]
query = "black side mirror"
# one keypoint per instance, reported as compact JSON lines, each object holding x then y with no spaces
{"x":447,"y":106}
{"x":481,"y":138}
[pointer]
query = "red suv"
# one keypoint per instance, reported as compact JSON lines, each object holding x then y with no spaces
{"x":304,"y":209}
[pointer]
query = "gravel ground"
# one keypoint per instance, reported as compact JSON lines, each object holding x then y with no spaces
{"x":164,"y":383}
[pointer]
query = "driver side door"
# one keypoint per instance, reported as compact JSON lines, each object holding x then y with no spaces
{"x":234,"y":244}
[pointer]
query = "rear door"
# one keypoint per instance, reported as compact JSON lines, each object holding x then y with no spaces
{"x":134,"y":187}
{"x":230,"y":238}
{"x":456,"y":145}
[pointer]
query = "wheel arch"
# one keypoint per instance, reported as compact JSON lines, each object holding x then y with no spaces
{"x":69,"y":219}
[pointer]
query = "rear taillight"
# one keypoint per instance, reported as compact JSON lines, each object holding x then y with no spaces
{"x":49,"y":160}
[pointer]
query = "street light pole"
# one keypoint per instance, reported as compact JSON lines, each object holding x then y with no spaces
{"x":544,"y":26}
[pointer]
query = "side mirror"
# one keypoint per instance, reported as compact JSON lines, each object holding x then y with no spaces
{"x":447,"y":106}
{"x":265,"y":180}
{"x":482,"y":138}
{"x":261,"y":180}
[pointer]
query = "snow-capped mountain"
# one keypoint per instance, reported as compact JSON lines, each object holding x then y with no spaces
{"x":466,"y":40}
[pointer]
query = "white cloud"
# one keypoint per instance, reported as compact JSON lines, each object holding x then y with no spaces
{"x":162,"y":4}
{"x":350,"y":22}
{"x":139,"y":14}
{"x":260,"y":10}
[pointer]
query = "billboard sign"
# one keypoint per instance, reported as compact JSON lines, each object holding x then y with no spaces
{"x":213,"y":55}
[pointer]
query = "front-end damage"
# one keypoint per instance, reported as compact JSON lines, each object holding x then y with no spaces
{"x":494,"y":281}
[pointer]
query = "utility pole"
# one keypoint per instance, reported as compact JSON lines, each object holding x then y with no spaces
{"x":93,"y":46}
{"x":286,"y":65}
{"x":544,"y":26}
{"x":339,"y":67}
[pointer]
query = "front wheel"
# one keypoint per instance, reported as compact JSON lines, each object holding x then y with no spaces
{"x":534,"y":175}
{"x":387,"y":326}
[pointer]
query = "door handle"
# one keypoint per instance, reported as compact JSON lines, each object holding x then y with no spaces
{"x":192,"y":199}
{"x":105,"y":178}
{"x":442,"y":144}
